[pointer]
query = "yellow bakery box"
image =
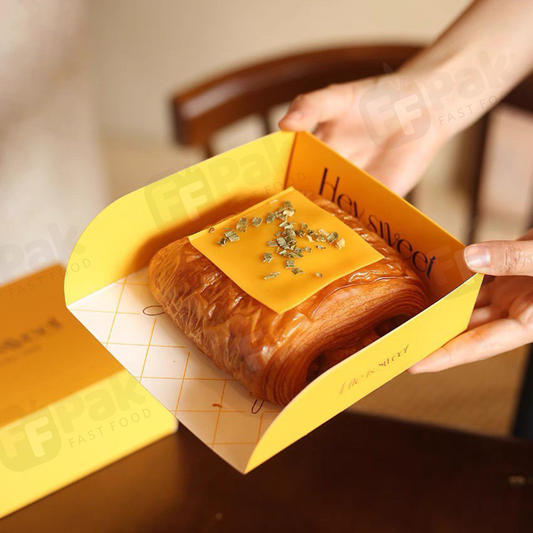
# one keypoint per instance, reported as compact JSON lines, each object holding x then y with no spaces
{"x":67,"y":408}
{"x":121,"y":240}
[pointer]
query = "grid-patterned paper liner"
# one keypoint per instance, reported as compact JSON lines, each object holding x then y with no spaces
{"x":127,"y":320}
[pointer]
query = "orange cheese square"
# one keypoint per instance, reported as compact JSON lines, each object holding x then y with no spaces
{"x":243,"y":260}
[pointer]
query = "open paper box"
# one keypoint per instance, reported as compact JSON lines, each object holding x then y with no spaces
{"x":112,"y":298}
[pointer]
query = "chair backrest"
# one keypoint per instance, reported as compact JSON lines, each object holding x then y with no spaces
{"x":201,"y":111}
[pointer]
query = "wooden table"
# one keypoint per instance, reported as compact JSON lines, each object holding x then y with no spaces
{"x":356,"y":474}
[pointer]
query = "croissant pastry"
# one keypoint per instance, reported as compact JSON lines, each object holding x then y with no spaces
{"x":276,"y":355}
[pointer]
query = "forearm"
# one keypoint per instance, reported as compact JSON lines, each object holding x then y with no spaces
{"x":486,"y":52}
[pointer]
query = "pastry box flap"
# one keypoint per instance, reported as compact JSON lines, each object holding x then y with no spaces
{"x":124,"y":236}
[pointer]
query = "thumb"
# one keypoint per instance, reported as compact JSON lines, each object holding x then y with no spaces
{"x":309,"y":110}
{"x":501,"y":258}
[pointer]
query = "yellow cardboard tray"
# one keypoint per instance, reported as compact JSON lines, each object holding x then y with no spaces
{"x":66,"y":408}
{"x":120,"y":242}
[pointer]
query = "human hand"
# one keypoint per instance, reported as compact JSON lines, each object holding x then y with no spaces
{"x":503,"y":317}
{"x":381,"y":124}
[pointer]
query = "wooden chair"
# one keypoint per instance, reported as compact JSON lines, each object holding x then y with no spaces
{"x":200,"y":112}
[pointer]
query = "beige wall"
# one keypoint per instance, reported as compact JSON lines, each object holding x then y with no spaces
{"x":145,"y":49}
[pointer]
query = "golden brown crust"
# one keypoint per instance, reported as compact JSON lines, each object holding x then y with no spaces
{"x":275,"y":355}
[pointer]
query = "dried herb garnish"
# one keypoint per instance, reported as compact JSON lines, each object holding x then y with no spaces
{"x":242,"y":224}
{"x":285,"y":239}
{"x":340,"y":244}
{"x":332,"y":237}
{"x":231,"y":235}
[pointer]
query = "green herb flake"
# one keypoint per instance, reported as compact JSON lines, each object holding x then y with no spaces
{"x":318,"y":275}
{"x":289,"y":263}
{"x":272,"y":244}
{"x":290,"y":237}
{"x":297,"y":271}
{"x":340,"y":244}
{"x":321,"y":247}
{"x":256,"y":222}
{"x":242,"y":224}
{"x":272,"y":275}
{"x":332,"y":237}
{"x":267,"y":257}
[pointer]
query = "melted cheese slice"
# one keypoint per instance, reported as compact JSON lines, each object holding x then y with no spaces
{"x":242,"y":260}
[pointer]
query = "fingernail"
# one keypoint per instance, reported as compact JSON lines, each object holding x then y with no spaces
{"x":477,"y":256}
{"x":294,"y":116}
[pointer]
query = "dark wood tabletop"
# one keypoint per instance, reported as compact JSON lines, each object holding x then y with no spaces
{"x":356,"y":473}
